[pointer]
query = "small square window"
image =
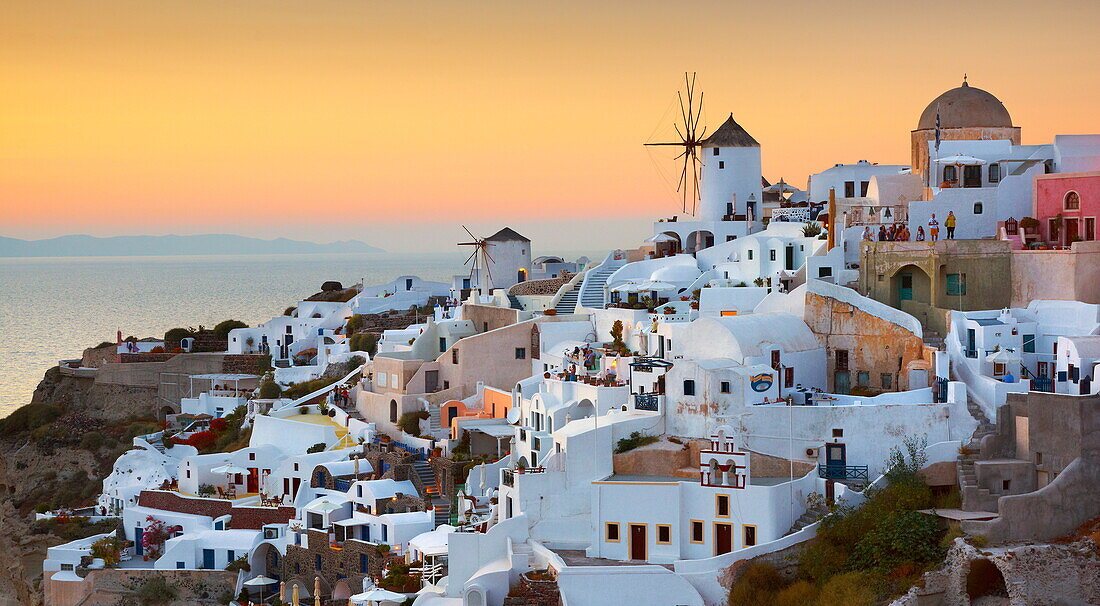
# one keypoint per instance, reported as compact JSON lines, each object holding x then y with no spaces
{"x":750,"y":254}
{"x":611,"y":532}
{"x":722,"y":505}
{"x":725,"y":387}
{"x":748,"y":535}
{"x":721,"y":164}
{"x":664,"y":534}
{"x":838,"y":432}
{"x":887,"y":380}
{"x":1006,"y":485}
{"x":521,"y":353}
{"x":956,"y":284}
{"x":1038,"y":458}
{"x":689,"y":387}
{"x":715,"y":151}
{"x":697,"y":533}
{"x":863,"y":378}
{"x":824,"y":272}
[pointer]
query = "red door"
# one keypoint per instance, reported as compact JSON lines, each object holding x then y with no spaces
{"x":637,"y":542}
{"x":253,"y":480}
{"x":723,"y":538}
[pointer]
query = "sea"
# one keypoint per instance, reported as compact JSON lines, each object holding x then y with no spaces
{"x":53,"y":308}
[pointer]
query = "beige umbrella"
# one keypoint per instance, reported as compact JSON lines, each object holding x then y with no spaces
{"x":377,"y":595}
{"x":260,"y":582}
{"x":294,"y":596}
{"x":316,"y":591}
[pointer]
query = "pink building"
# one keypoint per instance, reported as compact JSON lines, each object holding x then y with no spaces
{"x":1067,"y":205}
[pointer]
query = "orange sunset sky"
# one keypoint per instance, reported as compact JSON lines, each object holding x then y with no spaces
{"x":335,"y":119}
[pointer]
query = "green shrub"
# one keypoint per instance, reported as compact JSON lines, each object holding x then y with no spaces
{"x":296,"y":391}
{"x":269,"y":390}
{"x":355,"y":324}
{"x":635,"y":440}
{"x":811,"y":229}
{"x":850,"y":589}
{"x":799,"y":593}
{"x":141,"y":428}
{"x":29,"y":418}
{"x":757,"y":586}
{"x":410,"y":422}
{"x":318,"y":447}
{"x":221,"y":329}
{"x":206,"y":490}
{"x":175,"y":335}
{"x":240,"y":563}
{"x":109,"y":549}
{"x":93,"y":440}
{"x":156,"y":591}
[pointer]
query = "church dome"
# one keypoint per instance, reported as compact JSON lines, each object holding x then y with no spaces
{"x":965,"y":106}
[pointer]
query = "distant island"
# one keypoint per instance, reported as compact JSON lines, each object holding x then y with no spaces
{"x":206,"y":244}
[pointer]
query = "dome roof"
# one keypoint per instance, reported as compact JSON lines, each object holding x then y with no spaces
{"x":965,"y":106}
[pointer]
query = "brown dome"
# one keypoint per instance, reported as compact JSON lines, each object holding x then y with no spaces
{"x":963,"y":107}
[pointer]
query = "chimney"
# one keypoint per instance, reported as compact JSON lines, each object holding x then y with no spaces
{"x":832,"y":219}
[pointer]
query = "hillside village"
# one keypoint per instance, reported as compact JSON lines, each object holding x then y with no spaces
{"x":880,"y":389}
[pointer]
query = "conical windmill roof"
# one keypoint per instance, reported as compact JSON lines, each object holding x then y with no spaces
{"x":730,"y":134}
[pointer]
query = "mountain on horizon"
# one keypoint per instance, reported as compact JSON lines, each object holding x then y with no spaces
{"x":82,"y":245}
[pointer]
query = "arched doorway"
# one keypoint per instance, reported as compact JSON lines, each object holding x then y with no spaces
{"x":985,"y":579}
{"x":698,"y":240}
{"x":585,"y":409}
{"x":475,"y":596}
{"x":910,"y":283}
{"x":165,"y":412}
{"x":341,"y":591}
{"x":393,"y":411}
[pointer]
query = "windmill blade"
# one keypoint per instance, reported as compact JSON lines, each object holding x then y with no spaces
{"x":469,"y":243}
{"x":485,"y":249}
{"x":471,"y":233}
{"x":470,"y":257}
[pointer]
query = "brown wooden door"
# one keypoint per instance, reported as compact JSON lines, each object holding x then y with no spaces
{"x":637,"y":542}
{"x":253,"y":480}
{"x":723,"y":538}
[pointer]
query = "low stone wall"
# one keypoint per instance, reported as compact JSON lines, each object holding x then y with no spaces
{"x":120,"y":586}
{"x":252,"y":518}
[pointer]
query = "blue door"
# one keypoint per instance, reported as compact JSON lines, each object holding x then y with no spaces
{"x":138,"y":549}
{"x":208,"y":559}
{"x":905,"y":289}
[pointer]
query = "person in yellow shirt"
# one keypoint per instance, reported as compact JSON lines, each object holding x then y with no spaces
{"x":949,"y":223}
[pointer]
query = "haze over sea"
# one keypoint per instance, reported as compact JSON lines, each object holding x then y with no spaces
{"x":52,"y":308}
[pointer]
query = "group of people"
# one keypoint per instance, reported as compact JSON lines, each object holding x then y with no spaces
{"x":341,"y":396}
{"x":899,"y":232}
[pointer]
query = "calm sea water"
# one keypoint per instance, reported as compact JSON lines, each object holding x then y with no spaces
{"x":52,"y":308}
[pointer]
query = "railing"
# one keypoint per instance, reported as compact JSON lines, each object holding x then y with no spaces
{"x":848,"y":473}
{"x":341,"y":484}
{"x":970,"y":353}
{"x":645,"y":401}
{"x":508,"y":476}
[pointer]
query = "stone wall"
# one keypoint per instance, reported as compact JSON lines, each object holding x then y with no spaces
{"x":252,"y":518}
{"x":873,"y":345}
{"x":119,"y":586}
{"x":1073,"y":274}
{"x":339,"y":563}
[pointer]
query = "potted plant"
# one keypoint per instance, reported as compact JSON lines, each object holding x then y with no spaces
{"x":550,"y":312}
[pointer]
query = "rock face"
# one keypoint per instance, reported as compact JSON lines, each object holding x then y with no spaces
{"x":106,"y":402}
{"x":1013,"y":575}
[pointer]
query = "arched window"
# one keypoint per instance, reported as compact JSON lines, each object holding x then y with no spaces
{"x":977,"y":208}
{"x":1072,"y":201}
{"x":393,"y":411}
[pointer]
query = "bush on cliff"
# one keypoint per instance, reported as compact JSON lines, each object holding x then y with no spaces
{"x":221,"y":329}
{"x":29,"y":418}
{"x":174,"y":335}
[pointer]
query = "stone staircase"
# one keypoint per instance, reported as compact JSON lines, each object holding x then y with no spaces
{"x":591,"y":293}
{"x":811,"y":515}
{"x":974,"y":498}
{"x":933,"y":339}
{"x":442,"y":505}
{"x":568,"y":302}
{"x":513,"y":302}
{"x":435,"y":422}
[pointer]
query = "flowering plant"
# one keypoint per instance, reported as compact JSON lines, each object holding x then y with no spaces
{"x":156,"y":532}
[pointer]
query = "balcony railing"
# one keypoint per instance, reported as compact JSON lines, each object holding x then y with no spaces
{"x":645,"y":401}
{"x":843,"y":473}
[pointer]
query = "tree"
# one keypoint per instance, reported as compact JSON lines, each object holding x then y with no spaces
{"x":175,"y":335}
{"x":109,"y":549}
{"x":221,"y":330}
{"x":269,"y":390}
{"x":617,"y":332}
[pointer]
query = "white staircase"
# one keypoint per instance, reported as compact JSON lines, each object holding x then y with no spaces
{"x":592,"y":289}
{"x":568,"y":302}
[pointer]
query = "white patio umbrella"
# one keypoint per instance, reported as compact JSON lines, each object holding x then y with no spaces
{"x":628,"y":287}
{"x":782,"y":187}
{"x":376,"y":595}
{"x":657,"y":285}
{"x":260,"y":581}
{"x":960,"y":160}
{"x":228,"y":469}
{"x":659,"y":238}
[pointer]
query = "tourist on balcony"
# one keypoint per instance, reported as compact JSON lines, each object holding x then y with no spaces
{"x":949,"y":223}
{"x":920,"y":233}
{"x":867,"y":235}
{"x":881,"y":233}
{"x":933,"y":228}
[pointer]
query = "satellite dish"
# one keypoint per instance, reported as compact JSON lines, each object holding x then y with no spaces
{"x":513,"y":415}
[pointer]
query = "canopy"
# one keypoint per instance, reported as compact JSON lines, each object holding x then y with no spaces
{"x":376,"y":595}
{"x":662,"y":238}
{"x":656,"y":285}
{"x":1004,"y":356}
{"x":960,"y":160}
{"x":259,"y":581}
{"x":781,"y":188}
{"x":228,"y":468}
{"x":629,"y":287}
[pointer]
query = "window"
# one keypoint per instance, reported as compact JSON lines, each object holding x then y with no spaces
{"x":664,"y":534}
{"x":849,"y":189}
{"x":838,"y":432}
{"x":750,"y":254}
{"x":775,"y":359}
{"x":363,"y":563}
{"x":748,"y":535}
{"x":230,"y":555}
{"x":771,"y":254}
{"x":863,"y":188}
{"x":950,"y":174}
{"x":841,"y":359}
{"x":721,"y":164}
{"x":697,"y":535}
{"x":359,"y":491}
{"x":251,"y":456}
{"x":978,"y":208}
{"x":611,"y":532}
{"x":788,"y":377}
{"x":887,"y":380}
{"x":994,"y":173}
{"x":956,"y":284}
{"x":382,"y":379}
{"x":521,"y":353}
{"x":715,"y":151}
{"x":863,"y":378}
{"x":385,"y":533}
{"x":689,"y":387}
{"x":725,"y":387}
{"x":454,"y":356}
{"x":1006,"y":485}
{"x":824,"y":272}
{"x":179,"y":566}
{"x":442,"y":343}
{"x":722,"y":505}
{"x":998,"y":369}
{"x":393,"y":411}
{"x":1038,"y":458}
{"x":1072,"y":201}
{"x":1029,"y":343}
{"x":317,"y":562}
